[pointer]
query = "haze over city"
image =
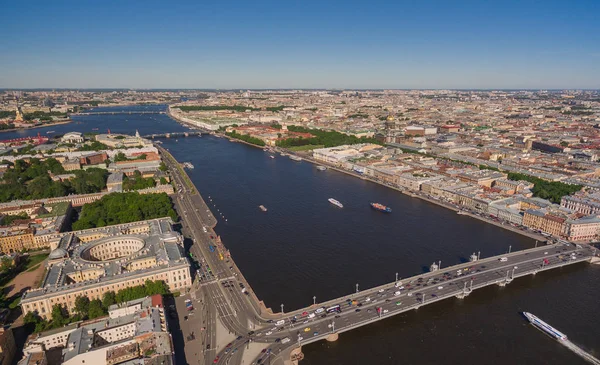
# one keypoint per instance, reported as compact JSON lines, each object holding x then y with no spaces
{"x":310,"y":44}
{"x":299,"y":183}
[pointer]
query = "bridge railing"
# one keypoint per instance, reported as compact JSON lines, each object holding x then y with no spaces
{"x":438,"y":298}
{"x":374,"y":290}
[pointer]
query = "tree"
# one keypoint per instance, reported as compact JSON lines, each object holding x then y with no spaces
{"x":163,"y":167}
{"x":163,"y":181}
{"x":6,"y":264}
{"x":32,"y":318}
{"x":96,"y":309}
{"x":82,"y":306}
{"x":108,"y":299}
{"x":564,"y":144}
{"x":59,"y":316}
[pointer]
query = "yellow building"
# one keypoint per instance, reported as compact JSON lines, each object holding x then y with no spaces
{"x":94,"y":261}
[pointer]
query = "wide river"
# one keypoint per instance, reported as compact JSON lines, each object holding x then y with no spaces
{"x":303,"y":247}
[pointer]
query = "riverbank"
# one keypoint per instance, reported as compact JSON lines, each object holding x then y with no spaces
{"x":37,"y":126}
{"x":412,"y":194}
{"x":305,"y":155}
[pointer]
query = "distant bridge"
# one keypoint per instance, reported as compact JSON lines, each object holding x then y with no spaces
{"x":121,"y":112}
{"x":173,"y":135}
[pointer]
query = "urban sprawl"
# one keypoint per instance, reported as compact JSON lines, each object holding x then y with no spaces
{"x":96,"y":207}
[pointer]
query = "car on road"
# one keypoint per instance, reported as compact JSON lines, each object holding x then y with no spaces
{"x":238,"y":338}
{"x":323,"y":315}
{"x":409,"y":294}
{"x":381,"y":290}
{"x":264,"y":350}
{"x":229,"y":344}
{"x":250,"y":333}
{"x":216,"y":360}
{"x":315,"y":333}
{"x":368,"y":299}
{"x":312,"y":315}
{"x":357,"y":310}
{"x":305,"y":322}
{"x":285,"y":340}
{"x":440,"y":287}
{"x":300,"y":338}
{"x":208,"y":346}
{"x":280,"y":322}
{"x":270,"y":321}
{"x":227,"y":350}
{"x":269,"y":333}
{"x":307,"y":329}
{"x":503,"y":259}
{"x":278,"y":339}
{"x":304,"y":314}
{"x":385,"y":311}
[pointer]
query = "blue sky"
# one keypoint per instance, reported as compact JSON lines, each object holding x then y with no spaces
{"x":300,"y":44}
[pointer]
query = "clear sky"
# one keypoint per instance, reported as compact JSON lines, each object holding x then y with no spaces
{"x":300,"y":44}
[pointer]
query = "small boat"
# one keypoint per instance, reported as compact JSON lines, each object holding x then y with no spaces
{"x":49,"y":132}
{"x":321,"y":168}
{"x":263,"y":208}
{"x":545,"y":327}
{"x":295,"y":158}
{"x":283,"y":154}
{"x":335,"y":202}
{"x":381,"y":207}
{"x":271,"y":156}
{"x":94,"y":129}
{"x":460,"y":212}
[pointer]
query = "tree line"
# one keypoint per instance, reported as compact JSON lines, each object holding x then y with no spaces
{"x":550,"y":190}
{"x":89,"y":309}
{"x":137,"y":182}
{"x":117,"y":208}
{"x":246,"y":138}
{"x":28,"y":180}
{"x":321,"y":137}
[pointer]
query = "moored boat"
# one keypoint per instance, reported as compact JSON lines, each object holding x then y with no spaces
{"x":263,"y":208}
{"x":295,"y":158}
{"x":321,"y":168}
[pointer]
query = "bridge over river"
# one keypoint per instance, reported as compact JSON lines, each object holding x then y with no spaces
{"x":361,"y":308}
{"x":119,"y":112}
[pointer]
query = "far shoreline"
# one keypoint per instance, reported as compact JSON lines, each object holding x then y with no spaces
{"x":37,"y":126}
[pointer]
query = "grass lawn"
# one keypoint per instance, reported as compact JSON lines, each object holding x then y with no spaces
{"x":34,"y":261}
{"x":306,"y":148}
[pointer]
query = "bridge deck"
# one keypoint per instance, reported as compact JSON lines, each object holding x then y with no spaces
{"x":419,"y":290}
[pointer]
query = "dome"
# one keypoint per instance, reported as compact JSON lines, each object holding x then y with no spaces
{"x":59,"y":253}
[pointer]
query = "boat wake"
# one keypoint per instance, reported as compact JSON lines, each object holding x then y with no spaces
{"x":579,"y":351}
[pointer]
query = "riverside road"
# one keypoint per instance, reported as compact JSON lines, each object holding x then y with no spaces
{"x":241,"y":313}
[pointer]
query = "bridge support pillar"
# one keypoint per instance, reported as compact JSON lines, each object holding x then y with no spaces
{"x":332,"y":337}
{"x":296,"y":355}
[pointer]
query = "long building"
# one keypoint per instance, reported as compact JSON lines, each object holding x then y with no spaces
{"x":134,"y":332}
{"x":94,"y":261}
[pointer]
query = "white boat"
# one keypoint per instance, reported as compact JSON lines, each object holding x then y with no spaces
{"x":335,"y":202}
{"x":263,"y":208}
{"x":49,"y":132}
{"x":295,"y":158}
{"x":551,"y":331}
{"x":321,"y":168}
{"x":271,"y":156}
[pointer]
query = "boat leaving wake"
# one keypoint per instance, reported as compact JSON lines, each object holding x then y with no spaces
{"x":579,"y":351}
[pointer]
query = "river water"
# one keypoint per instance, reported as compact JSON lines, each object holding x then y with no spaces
{"x":303,"y":247}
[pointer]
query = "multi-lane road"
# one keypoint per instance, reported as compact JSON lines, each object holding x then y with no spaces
{"x":220,"y":290}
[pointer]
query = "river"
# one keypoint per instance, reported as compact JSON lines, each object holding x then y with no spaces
{"x":303,"y":247}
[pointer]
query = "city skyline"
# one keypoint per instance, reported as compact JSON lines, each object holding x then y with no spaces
{"x":348,"y":45}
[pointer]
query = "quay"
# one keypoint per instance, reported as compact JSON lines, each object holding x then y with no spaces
{"x":248,"y":322}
